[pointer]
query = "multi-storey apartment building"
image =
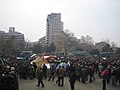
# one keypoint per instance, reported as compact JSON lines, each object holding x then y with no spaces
{"x":54,"y":25}
{"x":13,"y":34}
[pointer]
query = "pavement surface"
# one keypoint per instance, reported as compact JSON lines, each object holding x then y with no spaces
{"x":51,"y":85}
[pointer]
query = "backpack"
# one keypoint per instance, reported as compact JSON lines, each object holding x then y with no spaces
{"x":104,"y":73}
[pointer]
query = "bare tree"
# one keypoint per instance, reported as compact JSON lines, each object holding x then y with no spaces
{"x":107,"y":40}
{"x":65,"y":41}
{"x":70,"y":42}
{"x":87,"y":43}
{"x":113,"y":44}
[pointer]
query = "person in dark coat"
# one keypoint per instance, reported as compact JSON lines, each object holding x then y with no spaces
{"x":118,"y":75}
{"x":14,"y":74}
{"x":31,"y":71}
{"x":1,"y":71}
{"x":24,"y":71}
{"x":78,"y":71}
{"x":114,"y":76}
{"x":21,"y":71}
{"x":84,"y":74}
{"x":52,"y":72}
{"x":72,"y":77}
{"x":44,"y":71}
{"x":8,"y":82}
{"x":35,"y":67}
{"x":40,"y":77}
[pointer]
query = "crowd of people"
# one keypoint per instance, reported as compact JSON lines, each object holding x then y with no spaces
{"x":81,"y":69}
{"x":108,"y":69}
{"x":84,"y":69}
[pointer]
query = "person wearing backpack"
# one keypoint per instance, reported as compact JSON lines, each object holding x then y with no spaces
{"x":104,"y":78}
{"x":61,"y":76}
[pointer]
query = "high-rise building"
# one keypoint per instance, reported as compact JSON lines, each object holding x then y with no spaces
{"x":54,"y":25}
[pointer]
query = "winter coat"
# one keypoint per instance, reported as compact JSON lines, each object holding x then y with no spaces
{"x":40,"y":75}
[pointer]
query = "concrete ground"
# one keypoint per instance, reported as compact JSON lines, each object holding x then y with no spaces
{"x":50,"y":85}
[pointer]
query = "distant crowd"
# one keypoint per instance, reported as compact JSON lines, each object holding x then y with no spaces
{"x":82,"y":69}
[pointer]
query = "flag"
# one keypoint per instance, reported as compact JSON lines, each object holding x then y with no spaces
{"x":43,"y":55}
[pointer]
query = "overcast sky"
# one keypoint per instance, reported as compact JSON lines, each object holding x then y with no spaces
{"x":97,"y":18}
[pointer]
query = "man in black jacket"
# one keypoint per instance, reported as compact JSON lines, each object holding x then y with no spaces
{"x":8,"y":82}
{"x":72,"y":76}
{"x":44,"y":71}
